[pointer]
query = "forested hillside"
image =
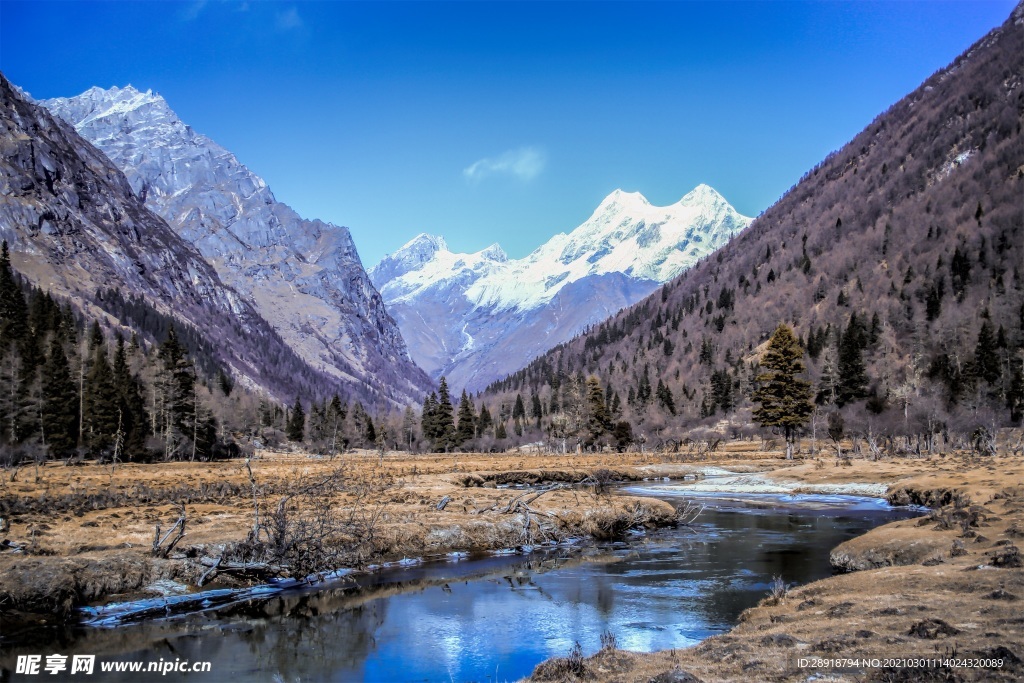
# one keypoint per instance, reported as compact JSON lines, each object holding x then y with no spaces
{"x":73,"y":386}
{"x":897,"y":260}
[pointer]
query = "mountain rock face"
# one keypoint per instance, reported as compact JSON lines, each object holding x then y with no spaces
{"x":303,"y":276}
{"x":75,"y":227}
{"x":477,"y":317}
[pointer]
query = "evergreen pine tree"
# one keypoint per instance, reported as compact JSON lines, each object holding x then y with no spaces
{"x":484,"y":422}
{"x":176,"y":398}
{"x":296,"y":429}
{"x":95,"y":336}
{"x":370,"y":432}
{"x":852,"y":382}
{"x":721,"y":389}
{"x":1015,"y":390}
{"x":13,"y":309}
{"x":60,"y":403}
{"x":101,"y":403}
{"x":445,"y":419}
{"x":466,"y":429}
{"x":986,"y":355}
{"x":783,"y":396}
{"x":134,"y":421}
{"x":598,"y":422}
{"x":428,"y":418}
{"x":665,"y":399}
{"x":519,"y":411}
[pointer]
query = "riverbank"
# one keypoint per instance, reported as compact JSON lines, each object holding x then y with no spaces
{"x":91,"y":534}
{"x":947,"y":584}
{"x":951,"y":581}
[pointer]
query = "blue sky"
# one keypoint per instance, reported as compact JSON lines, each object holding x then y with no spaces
{"x":501,"y":122}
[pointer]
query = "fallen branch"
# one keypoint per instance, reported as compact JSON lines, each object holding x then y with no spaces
{"x":164,"y":551}
{"x":258,"y":568}
{"x":210,"y":573}
{"x":688,"y":514}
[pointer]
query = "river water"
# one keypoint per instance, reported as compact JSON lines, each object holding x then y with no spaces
{"x":494,"y":618}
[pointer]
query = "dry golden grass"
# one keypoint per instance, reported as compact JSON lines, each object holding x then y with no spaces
{"x":90,"y":530}
{"x":73,"y":521}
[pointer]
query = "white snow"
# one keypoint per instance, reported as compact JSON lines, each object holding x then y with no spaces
{"x":625,"y":234}
{"x":754,"y":483}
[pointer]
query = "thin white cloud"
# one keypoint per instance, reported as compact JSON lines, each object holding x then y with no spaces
{"x":525,"y":163}
{"x":289,"y":19}
{"x":192,"y":11}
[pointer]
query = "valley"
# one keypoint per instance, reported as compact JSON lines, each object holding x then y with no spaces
{"x":87,"y":534}
{"x":674,"y":443}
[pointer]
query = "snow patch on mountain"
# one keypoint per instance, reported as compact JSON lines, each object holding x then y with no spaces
{"x":623,"y":252}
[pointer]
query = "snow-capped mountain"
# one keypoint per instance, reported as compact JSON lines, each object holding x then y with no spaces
{"x":303,"y":276}
{"x":476,"y":317}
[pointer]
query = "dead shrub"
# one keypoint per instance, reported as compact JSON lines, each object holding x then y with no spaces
{"x":932,"y":629}
{"x":308,"y":531}
{"x":778,"y":590}
{"x":1007,"y":556}
{"x":570,"y":668}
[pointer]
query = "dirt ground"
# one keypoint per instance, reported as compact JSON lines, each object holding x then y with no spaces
{"x":947,"y":583}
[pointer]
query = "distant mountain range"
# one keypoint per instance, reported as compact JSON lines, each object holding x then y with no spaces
{"x":477,"y":317}
{"x":304,"y":277}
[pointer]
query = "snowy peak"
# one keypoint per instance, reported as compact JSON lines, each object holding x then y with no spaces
{"x":622,"y":200}
{"x":494,"y":253}
{"x":626,"y":235}
{"x":706,"y":200}
{"x":98,"y":103}
{"x":422,"y":246}
{"x":704,"y":194}
{"x":461,"y":312}
{"x":412,"y":256}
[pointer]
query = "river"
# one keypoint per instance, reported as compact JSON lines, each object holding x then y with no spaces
{"x":495,"y":617}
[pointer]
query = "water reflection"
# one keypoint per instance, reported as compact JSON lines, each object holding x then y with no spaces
{"x":495,"y":619}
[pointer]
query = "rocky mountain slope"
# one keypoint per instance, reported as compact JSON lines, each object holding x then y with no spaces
{"x":897,"y":260}
{"x":303,"y":276}
{"x":476,"y":317}
{"x":76,"y":228}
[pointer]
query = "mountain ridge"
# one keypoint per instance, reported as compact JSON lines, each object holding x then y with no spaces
{"x":75,"y":227}
{"x":304,"y":276}
{"x":627,"y":247}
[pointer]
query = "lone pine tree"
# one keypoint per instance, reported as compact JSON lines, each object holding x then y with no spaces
{"x":296,"y":429}
{"x":785,"y":398}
